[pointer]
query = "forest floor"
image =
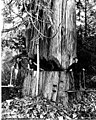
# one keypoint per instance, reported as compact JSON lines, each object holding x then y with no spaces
{"x":39,"y":107}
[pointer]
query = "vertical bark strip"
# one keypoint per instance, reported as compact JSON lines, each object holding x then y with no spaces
{"x":55,"y":44}
{"x":71,"y":29}
{"x":64,"y":51}
{"x":68,"y":34}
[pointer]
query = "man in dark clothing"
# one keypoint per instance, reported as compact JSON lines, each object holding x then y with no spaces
{"x":33,"y":65}
{"x":75,"y":71}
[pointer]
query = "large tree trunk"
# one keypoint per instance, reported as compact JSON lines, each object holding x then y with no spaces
{"x":61,"y":48}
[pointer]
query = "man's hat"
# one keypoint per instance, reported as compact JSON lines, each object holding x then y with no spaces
{"x":75,"y":58}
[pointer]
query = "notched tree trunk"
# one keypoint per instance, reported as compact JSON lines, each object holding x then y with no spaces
{"x":53,"y":85}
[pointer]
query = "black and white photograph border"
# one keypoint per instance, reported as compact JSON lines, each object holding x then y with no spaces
{"x":48,"y":59}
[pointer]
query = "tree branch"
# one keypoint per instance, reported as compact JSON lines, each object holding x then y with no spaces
{"x":10,"y":29}
{"x":9,"y":2}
